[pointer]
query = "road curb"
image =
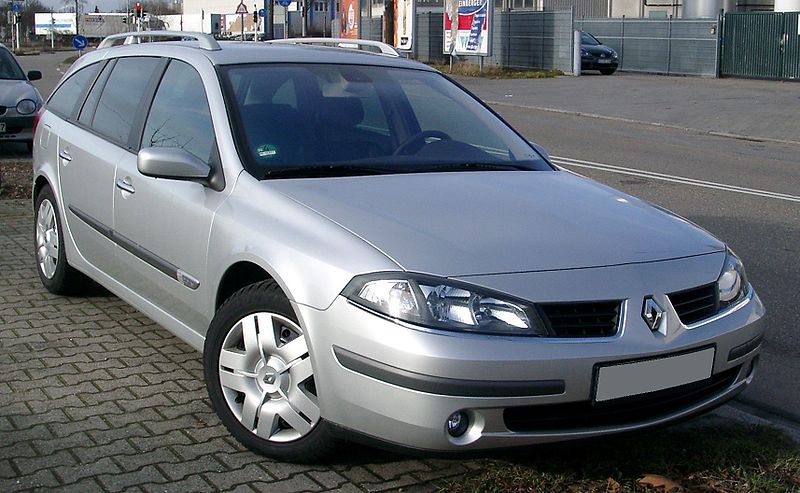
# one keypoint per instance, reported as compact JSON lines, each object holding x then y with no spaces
{"x":728,"y":135}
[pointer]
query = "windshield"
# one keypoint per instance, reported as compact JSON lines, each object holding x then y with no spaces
{"x":588,"y":39}
{"x":294,"y":120}
{"x":9,"y":68}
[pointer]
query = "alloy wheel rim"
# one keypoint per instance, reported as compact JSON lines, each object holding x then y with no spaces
{"x":266,"y":377}
{"x":47,"y":239}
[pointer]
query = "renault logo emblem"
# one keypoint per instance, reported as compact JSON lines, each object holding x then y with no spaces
{"x":653,"y":315}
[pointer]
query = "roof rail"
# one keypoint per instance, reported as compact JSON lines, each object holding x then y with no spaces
{"x":354,"y":44}
{"x":205,"y":41}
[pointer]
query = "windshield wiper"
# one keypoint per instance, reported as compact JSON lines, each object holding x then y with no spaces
{"x":472,"y":167}
{"x":324,"y":170}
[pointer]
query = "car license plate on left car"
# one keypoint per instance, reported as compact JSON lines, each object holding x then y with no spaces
{"x":2,"y":127}
{"x":604,"y":60}
{"x":627,"y":379}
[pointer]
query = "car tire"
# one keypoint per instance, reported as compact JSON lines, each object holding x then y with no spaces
{"x":607,"y":71}
{"x":260,"y":379}
{"x":56,"y":274}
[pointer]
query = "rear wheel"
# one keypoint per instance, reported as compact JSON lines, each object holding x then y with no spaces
{"x":260,"y":378}
{"x":607,"y":71}
{"x":51,"y":260}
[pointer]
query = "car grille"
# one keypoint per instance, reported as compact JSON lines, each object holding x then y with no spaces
{"x":696,"y":304}
{"x":585,"y":319}
{"x":627,"y":410}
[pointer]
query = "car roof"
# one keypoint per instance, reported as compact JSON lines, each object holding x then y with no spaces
{"x":237,"y":52}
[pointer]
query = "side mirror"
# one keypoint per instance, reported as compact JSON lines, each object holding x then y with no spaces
{"x":172,"y":163}
{"x":541,"y":151}
{"x":34,"y":75}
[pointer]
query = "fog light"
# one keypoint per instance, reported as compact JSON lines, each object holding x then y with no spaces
{"x":457,"y":424}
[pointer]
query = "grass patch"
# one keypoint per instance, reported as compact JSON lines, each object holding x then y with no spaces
{"x":473,"y":70}
{"x":16,"y":179}
{"x":731,"y":458}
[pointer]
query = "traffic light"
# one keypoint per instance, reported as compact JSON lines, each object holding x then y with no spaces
{"x":138,"y":11}
{"x":255,"y":17}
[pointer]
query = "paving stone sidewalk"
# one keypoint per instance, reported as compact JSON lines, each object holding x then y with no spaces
{"x":94,"y":396}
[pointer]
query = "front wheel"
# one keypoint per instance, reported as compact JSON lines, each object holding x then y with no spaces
{"x":260,"y":377}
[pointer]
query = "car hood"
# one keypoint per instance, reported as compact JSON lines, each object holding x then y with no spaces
{"x":13,"y":91}
{"x":472,"y":223}
{"x":598,"y":50}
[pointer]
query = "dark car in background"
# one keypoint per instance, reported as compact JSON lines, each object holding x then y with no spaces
{"x":597,"y":56}
{"x":19,"y":99}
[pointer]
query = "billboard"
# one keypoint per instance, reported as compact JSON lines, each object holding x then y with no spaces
{"x":348,"y":12}
{"x":404,"y":20}
{"x":467,"y":27}
{"x":60,"y":23}
{"x":102,"y":25}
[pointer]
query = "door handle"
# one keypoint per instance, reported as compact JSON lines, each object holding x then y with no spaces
{"x":125,"y":185}
{"x":64,"y":154}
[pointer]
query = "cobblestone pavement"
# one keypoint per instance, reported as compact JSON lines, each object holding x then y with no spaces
{"x":94,"y":396}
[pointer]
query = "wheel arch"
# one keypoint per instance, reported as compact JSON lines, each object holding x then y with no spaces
{"x":237,"y":276}
{"x":39,"y":183}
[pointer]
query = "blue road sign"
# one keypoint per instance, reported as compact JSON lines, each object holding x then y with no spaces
{"x":284,"y":3}
{"x":262,"y":13}
{"x":16,"y":7}
{"x":80,"y":42}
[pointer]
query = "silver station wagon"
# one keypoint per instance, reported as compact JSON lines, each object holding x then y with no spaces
{"x":360,"y":248}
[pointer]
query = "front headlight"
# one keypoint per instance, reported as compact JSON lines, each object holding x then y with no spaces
{"x":26,"y":107}
{"x":584,"y":52}
{"x":614,"y":55}
{"x":444,"y":304}
{"x":732,"y":282}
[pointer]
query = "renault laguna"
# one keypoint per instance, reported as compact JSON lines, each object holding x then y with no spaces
{"x":361,"y":248}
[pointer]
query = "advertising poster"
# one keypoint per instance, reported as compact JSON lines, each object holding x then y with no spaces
{"x":348,"y":12}
{"x":404,"y":16}
{"x":466,"y":27}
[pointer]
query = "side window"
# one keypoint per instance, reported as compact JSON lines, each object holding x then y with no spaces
{"x":87,"y":111}
{"x":70,"y":94}
{"x":179,"y":115}
{"x":121,"y":97}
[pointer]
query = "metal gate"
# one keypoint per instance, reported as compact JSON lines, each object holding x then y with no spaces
{"x":764,"y":45}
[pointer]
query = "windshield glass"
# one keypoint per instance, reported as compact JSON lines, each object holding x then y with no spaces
{"x":321,"y":120}
{"x":588,"y":39}
{"x":9,"y":68}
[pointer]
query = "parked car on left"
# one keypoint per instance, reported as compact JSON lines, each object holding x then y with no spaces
{"x":19,"y":99}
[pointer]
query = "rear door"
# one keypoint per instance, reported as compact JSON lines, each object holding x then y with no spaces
{"x":165,"y":224}
{"x":89,"y":148}
{"x":86,"y":166}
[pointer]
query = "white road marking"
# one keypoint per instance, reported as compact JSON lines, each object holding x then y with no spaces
{"x":570,"y":162}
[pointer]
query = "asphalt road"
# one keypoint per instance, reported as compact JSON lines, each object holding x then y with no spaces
{"x":744,"y":191}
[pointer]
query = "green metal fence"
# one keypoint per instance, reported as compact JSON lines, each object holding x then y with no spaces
{"x":763,"y":45}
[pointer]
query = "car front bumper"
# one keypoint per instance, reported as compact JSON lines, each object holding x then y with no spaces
{"x":17,"y":128}
{"x":400,"y":384}
{"x":595,"y":63}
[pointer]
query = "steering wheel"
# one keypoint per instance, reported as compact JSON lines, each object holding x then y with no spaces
{"x":418,"y":139}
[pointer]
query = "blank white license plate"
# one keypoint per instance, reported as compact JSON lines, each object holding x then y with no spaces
{"x":602,"y":60}
{"x":2,"y":127}
{"x":652,"y":375}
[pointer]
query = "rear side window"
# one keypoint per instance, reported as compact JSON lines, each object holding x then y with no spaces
{"x":121,"y":97}
{"x":70,"y":94}
{"x":179,"y":116}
